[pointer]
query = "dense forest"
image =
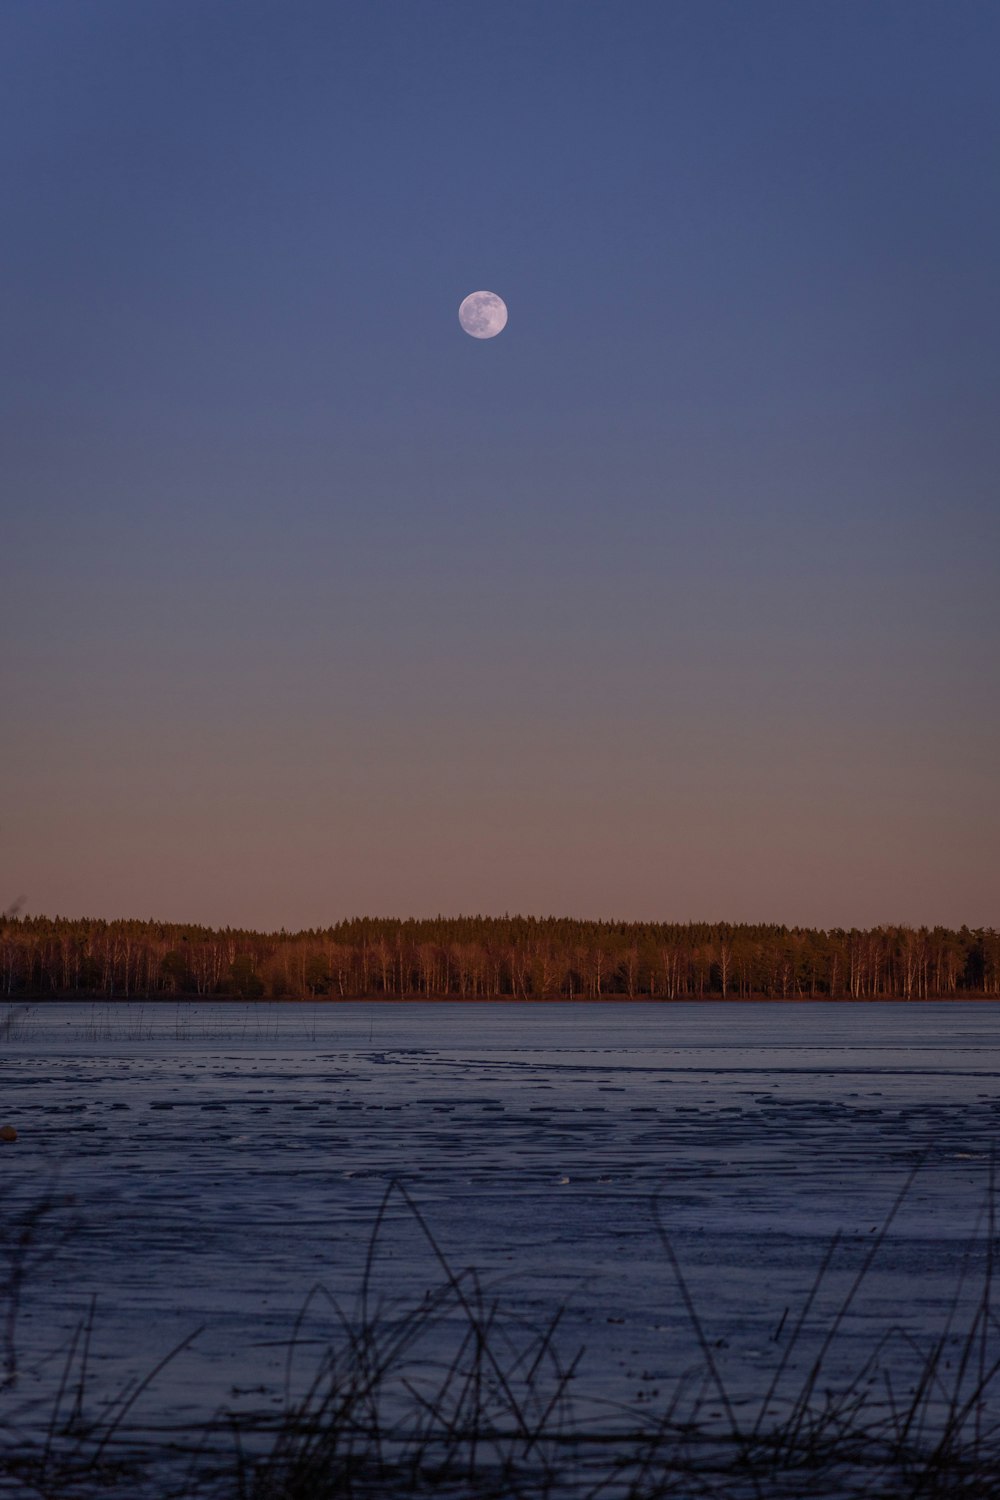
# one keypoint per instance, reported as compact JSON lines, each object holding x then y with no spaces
{"x":490,"y":958}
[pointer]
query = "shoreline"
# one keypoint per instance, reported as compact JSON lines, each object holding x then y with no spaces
{"x":526,"y":1000}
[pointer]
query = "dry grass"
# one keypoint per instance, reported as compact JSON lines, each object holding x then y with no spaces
{"x":386,"y":1413}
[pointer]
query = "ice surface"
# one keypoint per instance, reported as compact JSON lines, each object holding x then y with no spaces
{"x":222,"y":1158}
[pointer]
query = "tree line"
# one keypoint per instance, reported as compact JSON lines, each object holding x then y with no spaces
{"x":493,"y":958}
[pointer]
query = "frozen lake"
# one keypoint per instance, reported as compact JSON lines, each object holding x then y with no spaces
{"x":223,"y":1158}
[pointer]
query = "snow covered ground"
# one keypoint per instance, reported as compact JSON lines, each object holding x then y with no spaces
{"x":222,"y":1158}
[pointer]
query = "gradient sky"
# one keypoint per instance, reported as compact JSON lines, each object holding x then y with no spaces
{"x":677,"y":600}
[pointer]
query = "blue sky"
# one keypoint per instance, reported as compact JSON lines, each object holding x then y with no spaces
{"x":678,"y":599}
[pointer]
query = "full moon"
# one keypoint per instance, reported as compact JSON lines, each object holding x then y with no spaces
{"x":483,"y":315}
